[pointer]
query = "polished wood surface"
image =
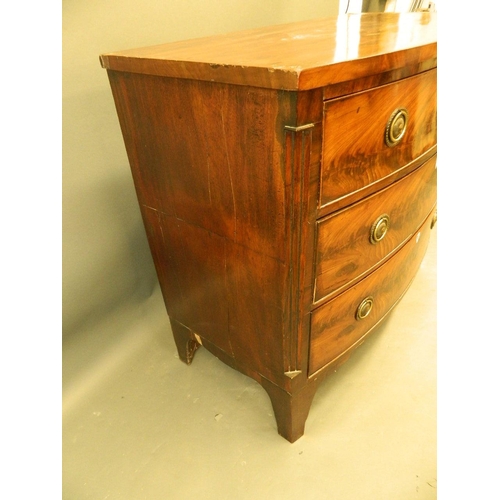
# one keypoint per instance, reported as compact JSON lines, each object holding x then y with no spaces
{"x":235,"y":171}
{"x":296,"y":56}
{"x":355,"y":154}
{"x":207,"y":163}
{"x":344,"y":250}
{"x":214,"y":198}
{"x":334,"y":327}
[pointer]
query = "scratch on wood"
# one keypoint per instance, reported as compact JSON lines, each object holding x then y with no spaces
{"x":150,"y":208}
{"x":228,"y":161}
{"x":208,"y":175}
{"x":228,"y":311}
{"x":160,"y":226}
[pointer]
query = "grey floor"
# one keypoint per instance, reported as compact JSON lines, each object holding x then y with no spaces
{"x":139,"y":424}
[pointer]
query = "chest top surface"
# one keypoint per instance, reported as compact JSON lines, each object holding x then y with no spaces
{"x":296,"y":56}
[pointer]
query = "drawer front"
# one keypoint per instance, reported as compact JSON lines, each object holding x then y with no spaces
{"x":353,"y":241}
{"x":373,"y":134}
{"x":341,"y":323}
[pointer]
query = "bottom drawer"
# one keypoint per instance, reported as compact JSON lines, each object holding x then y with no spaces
{"x":345,"y":320}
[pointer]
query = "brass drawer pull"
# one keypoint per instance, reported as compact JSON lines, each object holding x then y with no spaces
{"x":434,"y":220}
{"x":365,"y":308}
{"x":379,"y":229}
{"x":396,"y":127}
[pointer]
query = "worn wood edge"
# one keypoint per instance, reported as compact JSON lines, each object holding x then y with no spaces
{"x":296,"y":79}
{"x":284,"y":383}
{"x":252,"y":76}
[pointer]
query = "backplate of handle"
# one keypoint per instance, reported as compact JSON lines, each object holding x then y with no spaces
{"x":396,"y":127}
{"x":379,"y":229}
{"x":364,"y":308}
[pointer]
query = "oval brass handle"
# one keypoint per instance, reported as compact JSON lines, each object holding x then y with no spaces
{"x":379,"y":229}
{"x":396,"y":127}
{"x":365,"y":308}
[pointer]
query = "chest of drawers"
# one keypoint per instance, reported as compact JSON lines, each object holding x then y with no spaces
{"x":287,"y":181}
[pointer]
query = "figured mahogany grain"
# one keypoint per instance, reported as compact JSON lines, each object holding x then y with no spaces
{"x":355,"y":154}
{"x":344,"y":250}
{"x":334,"y":327}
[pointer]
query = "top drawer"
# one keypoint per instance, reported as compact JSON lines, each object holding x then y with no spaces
{"x":356,"y":151}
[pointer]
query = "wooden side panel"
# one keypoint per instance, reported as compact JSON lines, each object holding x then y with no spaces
{"x":355,"y":154}
{"x":222,"y":291}
{"x":210,"y":170}
{"x":191,"y":266}
{"x":344,"y":250}
{"x":209,"y":154}
{"x":334,"y":327}
{"x":256,"y":306}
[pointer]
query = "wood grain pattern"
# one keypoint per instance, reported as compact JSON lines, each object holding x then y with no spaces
{"x":354,"y":152}
{"x":344,"y":250}
{"x":297,"y":161}
{"x":191,"y":266}
{"x":334,"y":328}
{"x":216,"y":191}
{"x":239,"y":146}
{"x":295,"y":56}
{"x":196,"y":156}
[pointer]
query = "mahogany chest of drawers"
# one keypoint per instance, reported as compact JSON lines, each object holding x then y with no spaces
{"x":287,"y":182}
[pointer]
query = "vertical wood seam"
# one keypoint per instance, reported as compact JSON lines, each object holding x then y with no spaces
{"x":297,"y":158}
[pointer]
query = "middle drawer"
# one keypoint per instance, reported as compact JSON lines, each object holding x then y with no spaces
{"x":353,"y":241}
